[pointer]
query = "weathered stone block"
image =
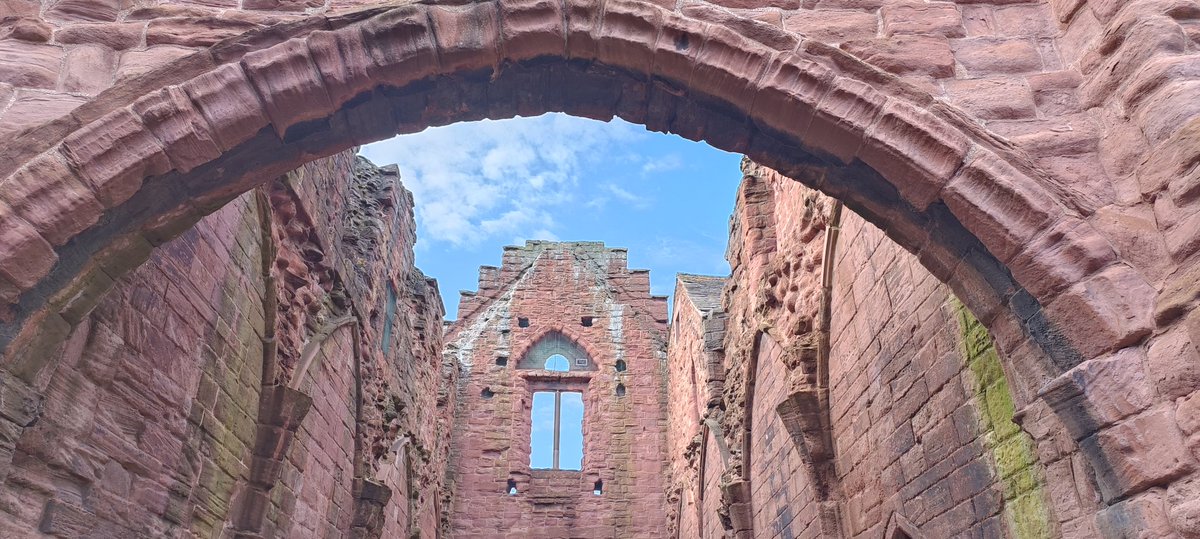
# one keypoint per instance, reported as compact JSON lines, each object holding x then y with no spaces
{"x":1108,"y":311}
{"x":1140,"y":452}
{"x":914,"y":150}
{"x":48,"y":195}
{"x":288,"y":83}
{"x":115,"y":154}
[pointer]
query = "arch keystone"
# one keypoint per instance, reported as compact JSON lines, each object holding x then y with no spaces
{"x":468,"y":37}
{"x":676,"y":47}
{"x":628,"y":27}
{"x":401,"y":46}
{"x":531,"y":28}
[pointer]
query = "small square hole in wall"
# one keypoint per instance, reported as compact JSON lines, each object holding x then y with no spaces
{"x":598,"y":488}
{"x":487,"y":393}
{"x":523,"y":322}
{"x":586,"y":321}
{"x":502,"y":361}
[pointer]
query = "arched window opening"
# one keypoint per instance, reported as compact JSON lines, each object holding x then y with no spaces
{"x":557,"y":353}
{"x":620,"y":365}
{"x":620,"y":390}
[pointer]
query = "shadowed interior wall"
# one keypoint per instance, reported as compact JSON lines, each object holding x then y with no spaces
{"x":149,"y":425}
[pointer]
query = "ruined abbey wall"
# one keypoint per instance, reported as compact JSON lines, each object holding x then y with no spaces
{"x":583,"y":295}
{"x":162,"y":415}
{"x":917,"y":427}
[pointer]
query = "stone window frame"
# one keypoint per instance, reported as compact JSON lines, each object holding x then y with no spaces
{"x":537,"y":381}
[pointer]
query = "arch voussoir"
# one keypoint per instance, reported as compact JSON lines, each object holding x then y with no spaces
{"x":786,"y":96}
{"x":531,"y":28}
{"x":288,"y":83}
{"x":115,"y":155}
{"x":992,"y":197}
{"x":25,"y":256}
{"x":842,"y":117}
{"x":228,"y":103}
{"x":1109,"y":310}
{"x":343,"y":63}
{"x":728,"y":66}
{"x":468,"y":37}
{"x":48,"y":194}
{"x":915,"y":150}
{"x":178,"y":127}
{"x":401,"y":45}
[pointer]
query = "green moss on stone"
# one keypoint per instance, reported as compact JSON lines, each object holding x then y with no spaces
{"x":1012,"y":450}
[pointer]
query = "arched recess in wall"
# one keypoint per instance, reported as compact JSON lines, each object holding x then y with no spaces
{"x":556,"y":340}
{"x":92,"y":194}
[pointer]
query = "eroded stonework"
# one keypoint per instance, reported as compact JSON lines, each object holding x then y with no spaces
{"x":1038,"y":157}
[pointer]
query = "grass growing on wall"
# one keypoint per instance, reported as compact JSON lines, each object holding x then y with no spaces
{"x":1011,"y":449}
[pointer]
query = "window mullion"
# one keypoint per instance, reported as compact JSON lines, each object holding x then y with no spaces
{"x":557,"y":426}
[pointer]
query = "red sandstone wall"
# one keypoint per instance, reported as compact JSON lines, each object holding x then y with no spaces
{"x":695,"y":371}
{"x":554,"y":285}
{"x":153,"y":411}
{"x":920,"y":414}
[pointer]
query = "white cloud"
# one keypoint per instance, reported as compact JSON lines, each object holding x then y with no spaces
{"x":494,"y":179}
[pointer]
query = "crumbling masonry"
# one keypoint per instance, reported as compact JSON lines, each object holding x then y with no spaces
{"x":210,"y":322}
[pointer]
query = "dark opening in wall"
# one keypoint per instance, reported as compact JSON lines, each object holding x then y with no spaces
{"x":586,"y":321}
{"x":598,"y":488}
{"x":502,"y":361}
{"x":620,"y":365}
{"x":487,"y":393}
{"x":620,"y":390}
{"x":523,"y":322}
{"x":511,"y":489}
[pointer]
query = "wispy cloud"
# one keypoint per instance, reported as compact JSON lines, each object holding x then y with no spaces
{"x":630,"y":199}
{"x":497,"y":179}
{"x":664,"y":163}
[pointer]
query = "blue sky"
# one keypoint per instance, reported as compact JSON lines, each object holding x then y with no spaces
{"x":480,"y":186}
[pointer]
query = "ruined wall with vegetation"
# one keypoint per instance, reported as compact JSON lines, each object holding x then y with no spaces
{"x":583,"y":296}
{"x":216,"y":389}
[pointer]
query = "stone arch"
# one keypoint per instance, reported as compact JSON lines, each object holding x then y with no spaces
{"x":87,"y":197}
{"x":556,"y":329}
{"x":195,"y":133}
{"x":526,"y":360}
